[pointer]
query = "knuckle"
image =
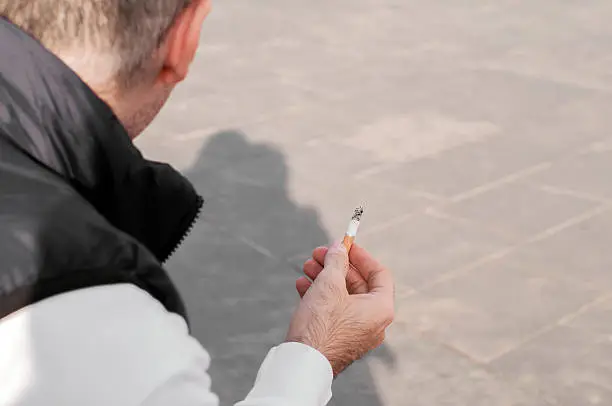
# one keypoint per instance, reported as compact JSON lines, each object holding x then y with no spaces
{"x":330,"y":291}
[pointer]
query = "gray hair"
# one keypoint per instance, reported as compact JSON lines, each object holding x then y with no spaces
{"x":121,"y":35}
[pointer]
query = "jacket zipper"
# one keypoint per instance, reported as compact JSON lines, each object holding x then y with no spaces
{"x":194,"y":220}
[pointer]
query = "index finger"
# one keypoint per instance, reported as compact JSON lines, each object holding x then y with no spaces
{"x":378,"y":278}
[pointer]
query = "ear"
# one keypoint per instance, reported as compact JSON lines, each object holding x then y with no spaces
{"x":182,"y":42}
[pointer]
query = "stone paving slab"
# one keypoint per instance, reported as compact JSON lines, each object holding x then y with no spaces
{"x":586,"y":173}
{"x":478,"y":134}
{"x":424,"y":373}
{"x":521,"y":209}
{"x":495,"y":307}
{"x":570,"y":363}
{"x":579,"y":251}
{"x":431,"y":247}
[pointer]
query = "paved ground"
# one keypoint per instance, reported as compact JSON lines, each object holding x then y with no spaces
{"x":479,"y":135}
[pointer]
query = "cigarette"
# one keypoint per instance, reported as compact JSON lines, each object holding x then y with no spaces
{"x":351,"y":232}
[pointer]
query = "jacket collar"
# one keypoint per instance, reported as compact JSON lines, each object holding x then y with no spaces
{"x":51,"y":115}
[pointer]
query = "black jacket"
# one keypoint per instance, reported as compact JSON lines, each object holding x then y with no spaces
{"x":79,"y":205}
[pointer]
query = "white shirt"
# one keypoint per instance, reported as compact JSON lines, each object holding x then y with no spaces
{"x":117,"y":345}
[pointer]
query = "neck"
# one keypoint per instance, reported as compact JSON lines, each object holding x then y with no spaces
{"x":135,"y":108}
{"x":126,"y":105}
{"x":104,"y":88}
{"x":122,"y":107}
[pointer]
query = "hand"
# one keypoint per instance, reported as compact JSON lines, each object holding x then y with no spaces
{"x":345,"y":311}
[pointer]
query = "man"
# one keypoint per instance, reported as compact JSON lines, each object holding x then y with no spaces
{"x":88,"y":316}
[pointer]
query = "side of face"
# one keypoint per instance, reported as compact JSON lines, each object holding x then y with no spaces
{"x":139,"y":107}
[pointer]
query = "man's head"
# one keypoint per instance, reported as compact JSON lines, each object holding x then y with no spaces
{"x":131,"y":52}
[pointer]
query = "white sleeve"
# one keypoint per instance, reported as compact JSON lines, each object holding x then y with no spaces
{"x":292,"y":374}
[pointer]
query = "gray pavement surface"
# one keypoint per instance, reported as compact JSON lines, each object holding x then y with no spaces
{"x":479,"y":136}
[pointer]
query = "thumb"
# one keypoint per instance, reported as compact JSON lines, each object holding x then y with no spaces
{"x":337,"y":263}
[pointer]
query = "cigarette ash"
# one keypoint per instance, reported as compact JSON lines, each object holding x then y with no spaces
{"x":358,"y":213}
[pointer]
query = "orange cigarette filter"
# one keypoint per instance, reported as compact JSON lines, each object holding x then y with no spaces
{"x":351,"y":232}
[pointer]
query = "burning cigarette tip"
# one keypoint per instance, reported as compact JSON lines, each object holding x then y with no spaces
{"x":358,"y":213}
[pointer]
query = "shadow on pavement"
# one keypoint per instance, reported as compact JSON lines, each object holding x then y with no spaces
{"x":238,"y":267}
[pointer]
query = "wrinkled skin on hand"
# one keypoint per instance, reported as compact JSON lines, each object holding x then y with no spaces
{"x":345,"y":311}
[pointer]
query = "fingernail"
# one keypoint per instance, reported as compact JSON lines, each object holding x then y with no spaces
{"x":338,"y":245}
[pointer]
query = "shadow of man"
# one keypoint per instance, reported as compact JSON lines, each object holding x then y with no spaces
{"x":237,"y":269}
